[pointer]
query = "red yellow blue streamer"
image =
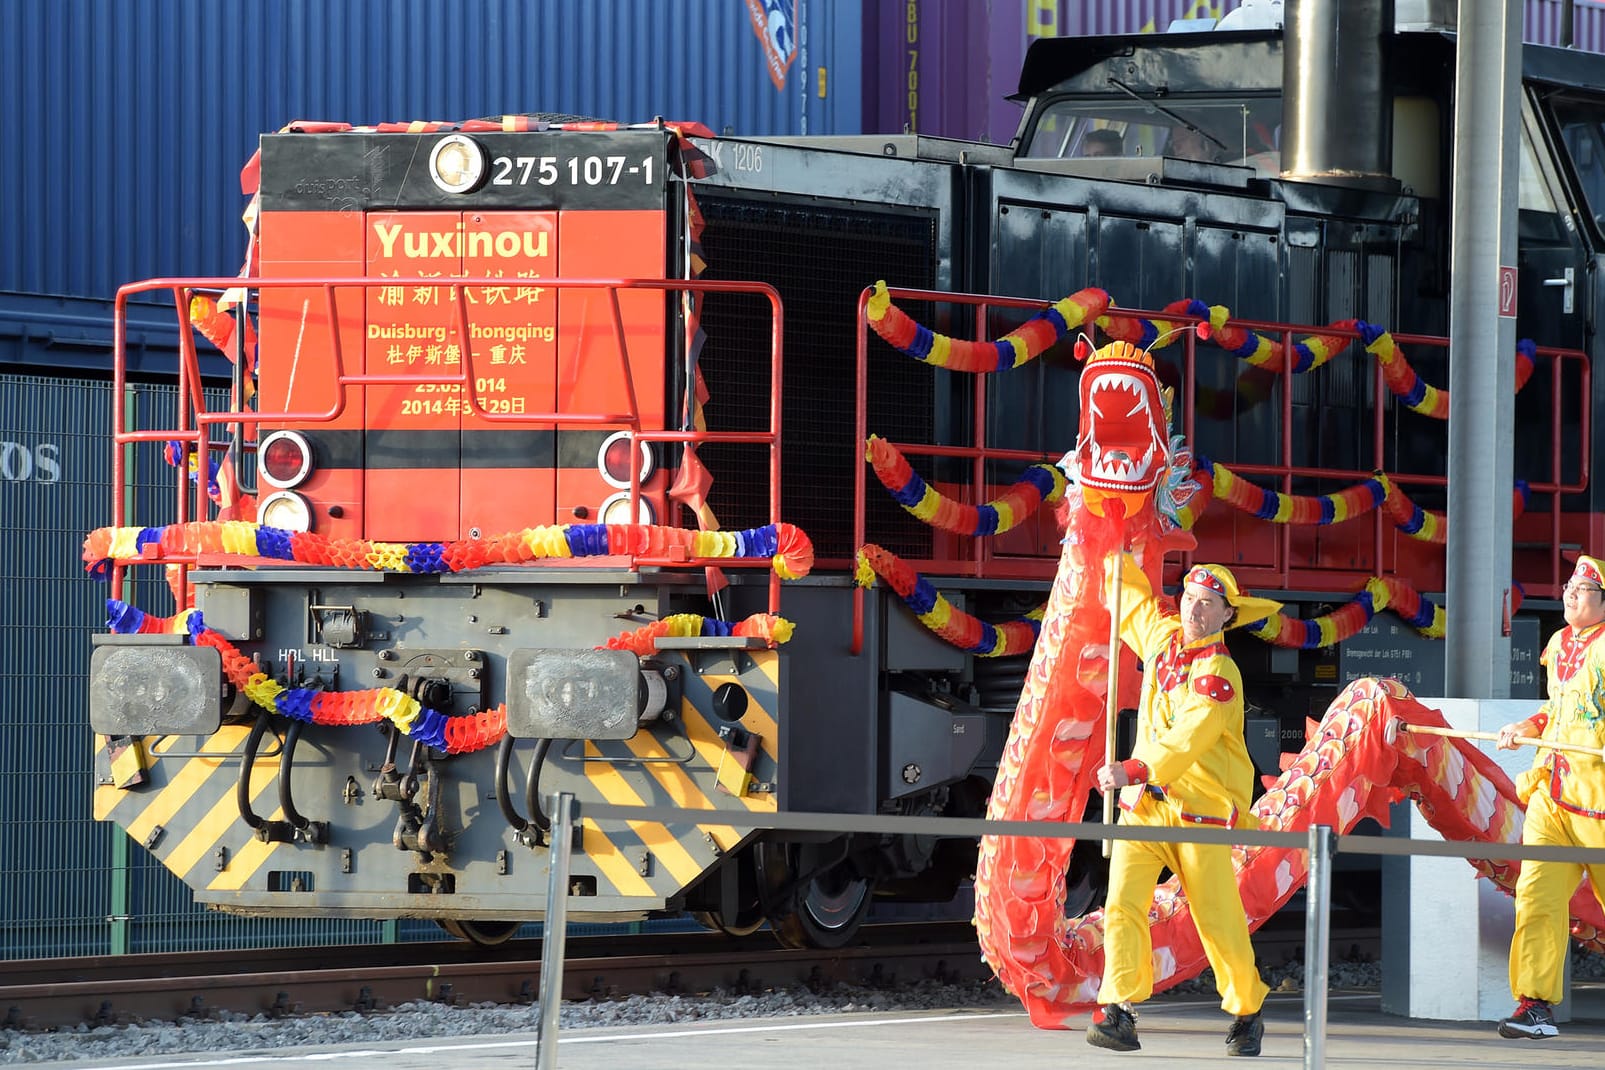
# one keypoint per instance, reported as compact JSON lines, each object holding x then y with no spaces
{"x":454,"y":735}
{"x":1040,"y":483}
{"x":790,"y":552}
{"x":643,"y":640}
{"x":1025,"y":343}
{"x":1268,"y":351}
{"x":1018,"y":637}
{"x":1376,"y":492}
{"x":1395,"y":595}
{"x":952,"y":624}
{"x":1261,"y":350}
{"x":1408,"y":386}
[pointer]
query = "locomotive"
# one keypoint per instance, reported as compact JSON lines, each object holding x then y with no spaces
{"x":498,"y":360}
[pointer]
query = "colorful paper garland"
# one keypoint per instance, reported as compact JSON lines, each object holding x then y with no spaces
{"x":1405,"y":384}
{"x":789,"y":550}
{"x":1395,"y":595}
{"x":643,"y":640}
{"x":1092,"y":305}
{"x":1376,"y":492}
{"x":454,"y":735}
{"x":971,"y":634}
{"x":1039,"y":483}
{"x":961,"y":629}
{"x":1025,"y":343}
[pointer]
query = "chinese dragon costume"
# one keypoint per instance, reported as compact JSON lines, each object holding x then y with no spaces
{"x":1129,"y":477}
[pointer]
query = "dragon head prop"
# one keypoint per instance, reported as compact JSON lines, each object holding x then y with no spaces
{"x":1122,"y":447}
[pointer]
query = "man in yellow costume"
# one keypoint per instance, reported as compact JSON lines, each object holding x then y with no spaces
{"x":1565,"y":797}
{"x":1189,"y":769}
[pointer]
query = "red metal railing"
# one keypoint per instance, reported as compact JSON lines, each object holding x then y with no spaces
{"x":195,"y":421}
{"x":980,"y":561}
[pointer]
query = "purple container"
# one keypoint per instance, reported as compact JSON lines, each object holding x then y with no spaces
{"x":945,"y":67}
{"x":1542,"y":23}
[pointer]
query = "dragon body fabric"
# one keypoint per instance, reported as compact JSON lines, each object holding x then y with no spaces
{"x":1354,"y":764}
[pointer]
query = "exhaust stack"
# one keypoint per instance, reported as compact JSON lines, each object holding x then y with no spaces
{"x":1337,"y":119}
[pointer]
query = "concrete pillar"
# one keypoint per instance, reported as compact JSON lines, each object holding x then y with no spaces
{"x":1445,"y":932}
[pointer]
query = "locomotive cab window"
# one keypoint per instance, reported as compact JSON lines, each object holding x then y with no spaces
{"x":1582,"y":134}
{"x":1538,"y":216}
{"x":1237,"y":131}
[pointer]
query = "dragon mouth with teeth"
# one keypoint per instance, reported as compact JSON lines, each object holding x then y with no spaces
{"x":1122,"y":447}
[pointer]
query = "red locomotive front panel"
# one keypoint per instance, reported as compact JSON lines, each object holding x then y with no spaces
{"x":414,"y":461}
{"x":507,"y":468}
{"x":300,"y":340}
{"x":414,"y":432}
{"x":593,"y":479}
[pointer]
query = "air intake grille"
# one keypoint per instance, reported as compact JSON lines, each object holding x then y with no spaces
{"x":819,"y":258}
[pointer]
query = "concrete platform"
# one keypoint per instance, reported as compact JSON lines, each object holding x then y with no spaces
{"x":1178,"y":1033}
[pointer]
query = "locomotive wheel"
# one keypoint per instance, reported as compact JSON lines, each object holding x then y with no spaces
{"x":479,"y":933}
{"x":827,"y":911}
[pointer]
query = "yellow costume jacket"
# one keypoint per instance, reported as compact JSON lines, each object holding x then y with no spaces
{"x":1190,"y":718}
{"x":1575,"y":713}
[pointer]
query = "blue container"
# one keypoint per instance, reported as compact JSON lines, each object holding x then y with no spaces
{"x":130,"y":119}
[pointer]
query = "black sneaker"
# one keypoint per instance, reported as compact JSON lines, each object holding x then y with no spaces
{"x":1113,"y":1026}
{"x":1532,"y":1020}
{"x":1245,"y":1034}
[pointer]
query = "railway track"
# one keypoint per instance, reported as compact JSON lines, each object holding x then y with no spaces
{"x":51,"y":993}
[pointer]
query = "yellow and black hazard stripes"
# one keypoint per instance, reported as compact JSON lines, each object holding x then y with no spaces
{"x":222,"y":821}
{"x":614,"y":859}
{"x":193,"y":801}
{"x":172,"y":786}
{"x":675,"y":763}
{"x":188,"y":811}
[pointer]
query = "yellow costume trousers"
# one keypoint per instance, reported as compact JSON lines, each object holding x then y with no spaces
{"x":1217,"y":908}
{"x":1543,"y":890}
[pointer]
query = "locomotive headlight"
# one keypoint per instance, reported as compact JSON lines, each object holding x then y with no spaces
{"x":285,"y":509}
{"x":457,"y":163}
{"x":613,"y":460}
{"x":284,"y":458}
{"x":616,"y":510}
{"x":583,"y":694}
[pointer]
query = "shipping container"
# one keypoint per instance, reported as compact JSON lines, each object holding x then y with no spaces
{"x":134,"y":116}
{"x":945,"y":67}
{"x":134,"y":154}
{"x":1543,"y":22}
